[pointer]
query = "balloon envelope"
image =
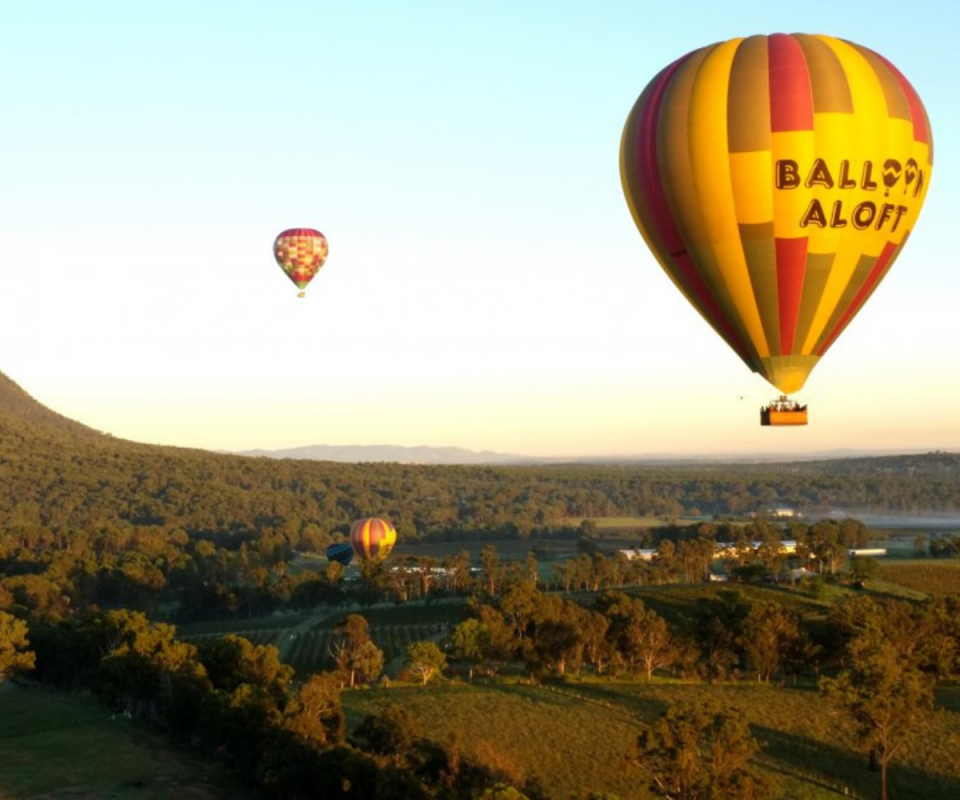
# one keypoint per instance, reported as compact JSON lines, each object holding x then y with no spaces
{"x":300,"y":252}
{"x":372,"y":538}
{"x":341,"y":552}
{"x":776,"y":179}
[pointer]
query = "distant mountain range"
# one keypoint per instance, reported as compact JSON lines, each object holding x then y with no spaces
{"x":396,"y":454}
{"x":393,"y":454}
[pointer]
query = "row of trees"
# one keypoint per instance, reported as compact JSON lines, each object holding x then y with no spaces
{"x":616,"y":634}
{"x":942,"y":546}
{"x":724,"y":634}
{"x":689,"y":553}
{"x":182,"y":576}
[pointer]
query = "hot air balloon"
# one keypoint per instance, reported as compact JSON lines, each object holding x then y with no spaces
{"x":300,"y":252}
{"x":372,"y":538}
{"x":341,"y":552}
{"x":776,"y":179}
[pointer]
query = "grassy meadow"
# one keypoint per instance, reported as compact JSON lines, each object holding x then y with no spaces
{"x":60,"y":745}
{"x":929,"y":576}
{"x":612,"y":531}
{"x":573,"y":738}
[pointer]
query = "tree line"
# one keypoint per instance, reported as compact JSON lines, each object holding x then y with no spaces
{"x":181,"y":576}
{"x":59,"y":485}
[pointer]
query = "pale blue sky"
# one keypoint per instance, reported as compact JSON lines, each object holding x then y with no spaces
{"x":486,"y":286}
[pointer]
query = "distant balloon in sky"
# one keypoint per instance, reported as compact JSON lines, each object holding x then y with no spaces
{"x":300,"y":252}
{"x":372,"y":538}
{"x":776,"y":179}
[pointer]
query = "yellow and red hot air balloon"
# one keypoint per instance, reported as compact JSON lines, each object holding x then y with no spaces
{"x":372,"y":538}
{"x":776,"y":179}
{"x":300,"y":252}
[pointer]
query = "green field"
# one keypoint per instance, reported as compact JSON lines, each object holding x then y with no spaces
{"x":570,"y":738}
{"x":304,"y":641}
{"x":929,"y":576}
{"x":624,"y":531}
{"x":507,"y":549}
{"x":675,"y":599}
{"x":310,"y":651}
{"x":573,"y":738}
{"x":256,"y":626}
{"x":624,"y":523}
{"x":60,"y":745}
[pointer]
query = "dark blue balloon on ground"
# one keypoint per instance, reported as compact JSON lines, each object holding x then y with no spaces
{"x":341,"y":552}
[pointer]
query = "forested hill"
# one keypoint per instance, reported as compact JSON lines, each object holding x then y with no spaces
{"x":59,"y":477}
{"x":17,"y":408}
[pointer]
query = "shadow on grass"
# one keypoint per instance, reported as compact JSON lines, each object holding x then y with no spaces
{"x":948,"y":697}
{"x":533,"y":693}
{"x":644,"y":706}
{"x":847,"y":771}
{"x":815,"y":762}
{"x":905,"y":781}
{"x":632,"y":708}
{"x":674,"y":605}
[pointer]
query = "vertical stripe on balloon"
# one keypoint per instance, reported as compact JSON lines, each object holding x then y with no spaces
{"x":918,"y":115}
{"x":791,"y":101}
{"x":653,"y":212}
{"x":791,"y":264}
{"x":815,"y":277}
{"x":748,"y":98}
{"x":829,"y":86}
{"x":877,"y":272}
{"x":759,"y":249}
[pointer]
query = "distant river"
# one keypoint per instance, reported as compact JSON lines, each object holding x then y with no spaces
{"x":923,"y":521}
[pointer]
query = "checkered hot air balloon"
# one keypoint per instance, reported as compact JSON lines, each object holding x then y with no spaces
{"x":300,"y":252}
{"x":776,"y":179}
{"x":372,"y":538}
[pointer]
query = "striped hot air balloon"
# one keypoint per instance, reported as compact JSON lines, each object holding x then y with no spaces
{"x":300,"y":252}
{"x":372,"y":538}
{"x":341,"y":552}
{"x":776,"y":179}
